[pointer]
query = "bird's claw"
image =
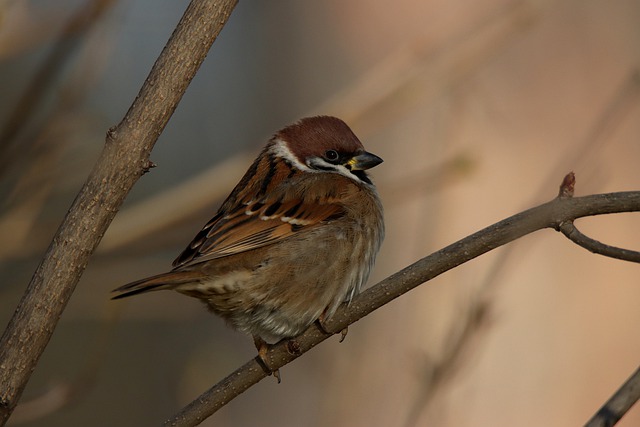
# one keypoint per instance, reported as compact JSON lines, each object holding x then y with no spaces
{"x":323,"y":327}
{"x":263,"y":348}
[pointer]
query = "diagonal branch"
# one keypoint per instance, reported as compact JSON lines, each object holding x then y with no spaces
{"x":548,"y":215}
{"x":618,"y":405}
{"x":123,"y":160}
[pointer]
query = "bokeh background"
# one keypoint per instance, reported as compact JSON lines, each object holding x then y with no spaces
{"x":479,"y":108}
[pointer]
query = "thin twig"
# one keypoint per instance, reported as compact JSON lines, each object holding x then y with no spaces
{"x":548,"y":215}
{"x":123,"y":160}
{"x":573,"y":234}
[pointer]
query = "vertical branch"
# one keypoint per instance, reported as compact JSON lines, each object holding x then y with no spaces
{"x":123,"y":160}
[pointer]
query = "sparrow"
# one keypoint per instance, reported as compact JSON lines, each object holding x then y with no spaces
{"x":296,"y":237}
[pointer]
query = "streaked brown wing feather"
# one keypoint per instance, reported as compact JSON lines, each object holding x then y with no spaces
{"x":261,"y":223}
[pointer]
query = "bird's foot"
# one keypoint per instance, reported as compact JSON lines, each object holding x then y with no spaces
{"x":323,"y":327}
{"x":263,"y":347}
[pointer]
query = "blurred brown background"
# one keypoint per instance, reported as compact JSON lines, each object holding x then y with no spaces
{"x":479,"y":108}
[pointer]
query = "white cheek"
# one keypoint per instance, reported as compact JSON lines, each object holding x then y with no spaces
{"x":281,"y":150}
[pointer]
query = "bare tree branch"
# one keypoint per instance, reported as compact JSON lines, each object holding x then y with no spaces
{"x":123,"y":160}
{"x":479,"y":312}
{"x":569,"y":229}
{"x":618,"y":405}
{"x":548,"y":215}
{"x":573,"y":234}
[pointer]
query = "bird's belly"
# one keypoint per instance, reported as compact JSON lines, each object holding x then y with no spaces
{"x":276,"y":300}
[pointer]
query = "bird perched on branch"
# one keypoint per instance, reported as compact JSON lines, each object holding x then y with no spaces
{"x":296,"y":237}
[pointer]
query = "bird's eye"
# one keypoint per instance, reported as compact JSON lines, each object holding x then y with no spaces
{"x":331,"y":155}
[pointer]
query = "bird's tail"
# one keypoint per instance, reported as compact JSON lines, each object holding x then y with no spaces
{"x":169,"y":280}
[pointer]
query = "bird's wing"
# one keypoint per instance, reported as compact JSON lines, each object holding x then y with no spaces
{"x":254,"y":224}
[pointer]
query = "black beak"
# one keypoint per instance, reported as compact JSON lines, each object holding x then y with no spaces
{"x":364,"y":161}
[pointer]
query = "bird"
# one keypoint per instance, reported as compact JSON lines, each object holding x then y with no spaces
{"x":296,"y":237}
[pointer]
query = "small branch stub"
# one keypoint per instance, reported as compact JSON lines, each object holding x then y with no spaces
{"x":148,"y":165}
